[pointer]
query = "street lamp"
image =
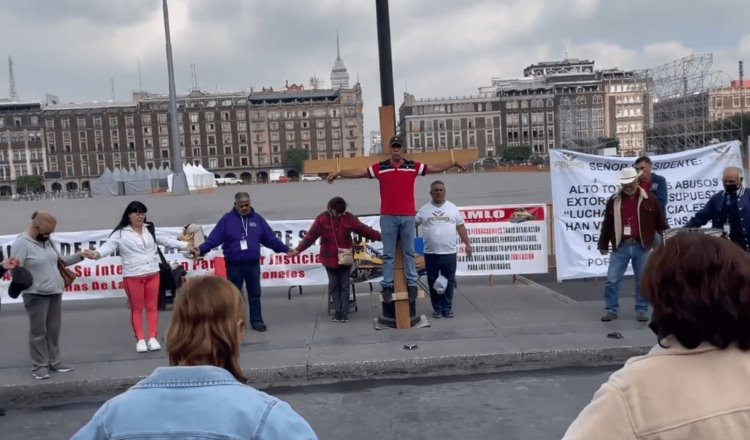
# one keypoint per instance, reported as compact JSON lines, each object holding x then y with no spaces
{"x":179,"y":179}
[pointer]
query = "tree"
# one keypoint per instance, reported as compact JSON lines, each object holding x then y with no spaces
{"x":517,"y":154}
{"x":537,"y":160}
{"x":26,"y":184}
{"x":295,"y":159}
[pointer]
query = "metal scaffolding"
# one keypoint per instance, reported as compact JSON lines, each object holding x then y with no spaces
{"x":681,"y":92}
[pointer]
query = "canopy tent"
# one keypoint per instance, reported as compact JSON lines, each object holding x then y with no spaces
{"x":128,"y":182}
{"x":197,"y":177}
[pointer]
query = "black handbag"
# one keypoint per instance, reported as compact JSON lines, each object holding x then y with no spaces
{"x":167,"y":279}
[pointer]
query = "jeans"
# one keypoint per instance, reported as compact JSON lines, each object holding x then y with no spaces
{"x":338,"y":289}
{"x":393,"y":228}
{"x":437,"y":264}
{"x":249,"y":273}
{"x":618,"y":264}
{"x":45,"y":322}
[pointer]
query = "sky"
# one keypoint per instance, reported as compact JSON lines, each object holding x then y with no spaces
{"x":441,"y":48}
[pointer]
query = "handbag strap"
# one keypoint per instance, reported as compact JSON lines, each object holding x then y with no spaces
{"x":152,"y":230}
{"x":333,"y":229}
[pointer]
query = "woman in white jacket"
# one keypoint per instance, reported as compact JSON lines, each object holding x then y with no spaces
{"x":140,"y":269}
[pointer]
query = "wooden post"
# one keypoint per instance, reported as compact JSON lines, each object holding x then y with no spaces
{"x":403,"y":318}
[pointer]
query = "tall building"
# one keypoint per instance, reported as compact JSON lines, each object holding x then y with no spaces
{"x":339,"y":75}
{"x":376,"y":143}
{"x":21,"y":149}
{"x":438,"y":124}
{"x":567,"y":104}
{"x":725,"y":102}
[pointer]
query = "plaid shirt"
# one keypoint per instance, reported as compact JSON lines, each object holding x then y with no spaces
{"x":344,"y":226}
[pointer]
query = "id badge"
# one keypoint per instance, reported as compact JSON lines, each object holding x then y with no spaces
{"x":626,"y":230}
{"x":726,"y":228}
{"x":243,"y":245}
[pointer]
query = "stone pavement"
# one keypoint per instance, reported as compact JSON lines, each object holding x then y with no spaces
{"x":498,"y":327}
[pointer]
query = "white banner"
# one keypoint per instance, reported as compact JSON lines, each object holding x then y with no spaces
{"x":582,"y":183}
{"x":506,"y":240}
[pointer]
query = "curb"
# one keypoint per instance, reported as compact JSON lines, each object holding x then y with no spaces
{"x":365,"y":370}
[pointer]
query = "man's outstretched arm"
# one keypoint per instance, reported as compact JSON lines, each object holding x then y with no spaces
{"x":445,"y":166}
{"x":348,"y":174}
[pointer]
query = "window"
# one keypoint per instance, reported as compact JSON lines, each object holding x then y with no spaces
{"x":320,"y":123}
{"x":209,"y":116}
{"x":321,"y":134}
{"x":242,"y":126}
{"x":718,"y":102}
{"x":597,"y":99}
{"x":65,"y":124}
{"x":128,"y":121}
{"x":289,"y":125}
{"x":161,"y":118}
{"x":227,"y":151}
{"x":196,"y":151}
{"x":113,"y":121}
{"x":241,"y":114}
{"x":736,"y":101}
{"x":193,"y":117}
{"x":145,"y":119}
{"x":228,"y":162}
{"x":488,"y":122}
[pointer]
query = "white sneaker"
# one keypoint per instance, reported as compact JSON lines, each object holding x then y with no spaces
{"x":153,"y":344}
{"x":141,"y":347}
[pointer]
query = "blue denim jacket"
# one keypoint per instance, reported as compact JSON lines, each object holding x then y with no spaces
{"x":198,"y":403}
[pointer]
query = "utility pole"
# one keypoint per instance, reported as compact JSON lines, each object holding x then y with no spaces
{"x":179,"y":179}
{"x":12,"y":80}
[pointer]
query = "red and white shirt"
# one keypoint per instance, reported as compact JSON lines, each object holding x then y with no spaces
{"x":397,"y":185}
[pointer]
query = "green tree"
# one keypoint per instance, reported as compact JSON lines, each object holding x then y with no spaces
{"x":517,"y":154}
{"x":29,"y":184}
{"x":537,"y":160}
{"x":295,"y":159}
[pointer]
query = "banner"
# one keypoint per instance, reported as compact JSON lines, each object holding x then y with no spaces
{"x":582,"y":184}
{"x":507,"y":239}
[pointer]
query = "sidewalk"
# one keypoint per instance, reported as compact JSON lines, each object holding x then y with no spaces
{"x":505,"y":326}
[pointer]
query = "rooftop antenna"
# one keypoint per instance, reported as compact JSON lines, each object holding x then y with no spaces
{"x":140,"y":81}
{"x":12,"y":80}
{"x":194,"y":75}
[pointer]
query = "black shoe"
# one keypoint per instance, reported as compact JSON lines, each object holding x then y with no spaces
{"x":412,"y":290}
{"x":335,"y":317}
{"x":344,"y":318}
{"x":387,"y":294}
{"x":437,"y":315}
{"x":448,"y":314}
{"x":2,"y":411}
{"x":260,"y":327}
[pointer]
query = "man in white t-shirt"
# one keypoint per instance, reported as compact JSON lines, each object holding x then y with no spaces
{"x":439,"y":221}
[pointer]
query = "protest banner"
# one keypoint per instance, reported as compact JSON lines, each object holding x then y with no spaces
{"x":582,"y":184}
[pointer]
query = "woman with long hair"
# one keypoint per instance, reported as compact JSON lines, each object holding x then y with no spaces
{"x":692,"y":384}
{"x":136,"y":241}
{"x":334,"y":227}
{"x":202,"y":394}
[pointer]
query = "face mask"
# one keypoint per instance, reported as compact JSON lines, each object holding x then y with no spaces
{"x":731,"y":188}
{"x":42,"y":237}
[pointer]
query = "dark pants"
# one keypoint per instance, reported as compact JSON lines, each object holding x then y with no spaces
{"x":338,"y":289}
{"x":45,"y":322}
{"x":441,"y":264}
{"x":249,"y":273}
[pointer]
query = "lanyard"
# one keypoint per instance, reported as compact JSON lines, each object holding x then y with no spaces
{"x":244,"y":226}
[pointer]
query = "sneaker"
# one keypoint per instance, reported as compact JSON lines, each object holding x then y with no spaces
{"x":141,"y":347}
{"x":437,"y":314}
{"x":609,"y":316}
{"x":448,"y":314}
{"x":412,"y":291}
{"x":387,"y":294}
{"x":335,"y":317}
{"x":641,"y":315}
{"x":153,"y":345}
{"x":41,"y":373}
{"x":344,"y":318}
{"x":61,"y":368}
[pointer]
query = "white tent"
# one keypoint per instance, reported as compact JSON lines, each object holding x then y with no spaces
{"x":197,"y":177}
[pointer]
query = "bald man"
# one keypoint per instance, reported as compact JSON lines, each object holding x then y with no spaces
{"x":728,"y":209}
{"x":43,"y":300}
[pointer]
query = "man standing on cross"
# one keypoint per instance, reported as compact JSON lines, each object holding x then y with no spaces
{"x":397,"y":209}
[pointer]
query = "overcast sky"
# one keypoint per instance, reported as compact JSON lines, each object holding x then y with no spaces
{"x":72,"y":48}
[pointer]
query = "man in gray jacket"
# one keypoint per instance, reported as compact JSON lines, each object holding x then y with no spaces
{"x":43,"y":300}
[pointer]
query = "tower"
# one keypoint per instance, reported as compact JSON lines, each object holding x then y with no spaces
{"x":12,"y":80}
{"x":339,"y":75}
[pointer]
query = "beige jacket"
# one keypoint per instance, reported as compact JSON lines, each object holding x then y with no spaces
{"x":672,"y":394}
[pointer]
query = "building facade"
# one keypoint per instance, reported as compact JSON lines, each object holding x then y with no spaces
{"x":451,"y":123}
{"x":22,"y":151}
{"x":726,"y":102}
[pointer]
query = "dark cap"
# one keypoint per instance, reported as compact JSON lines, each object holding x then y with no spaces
{"x":21,"y":280}
{"x":395,"y":140}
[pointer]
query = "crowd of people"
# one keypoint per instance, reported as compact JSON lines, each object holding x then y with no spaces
{"x":697,"y":284}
